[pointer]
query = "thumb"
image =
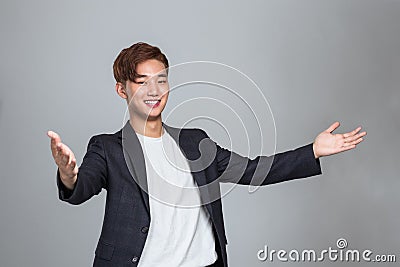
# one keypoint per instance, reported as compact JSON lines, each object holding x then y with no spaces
{"x":53,"y":135}
{"x":333,"y":127}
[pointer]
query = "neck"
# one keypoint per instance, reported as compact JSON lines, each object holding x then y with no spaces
{"x":150,"y":128}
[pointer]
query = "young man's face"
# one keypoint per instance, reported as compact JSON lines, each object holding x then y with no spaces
{"x":148,"y":94}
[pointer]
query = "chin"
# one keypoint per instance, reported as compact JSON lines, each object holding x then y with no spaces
{"x":153,"y":114}
{"x":152,"y":118}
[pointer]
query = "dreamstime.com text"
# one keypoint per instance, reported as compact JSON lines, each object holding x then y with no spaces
{"x":339,"y":253}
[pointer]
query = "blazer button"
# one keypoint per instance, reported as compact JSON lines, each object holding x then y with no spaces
{"x":145,"y":230}
{"x":135,"y":259}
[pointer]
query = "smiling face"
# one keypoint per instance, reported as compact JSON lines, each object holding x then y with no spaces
{"x":148,"y":94}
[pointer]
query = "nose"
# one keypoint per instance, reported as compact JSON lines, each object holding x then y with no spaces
{"x":156,"y":87}
{"x":153,"y":89}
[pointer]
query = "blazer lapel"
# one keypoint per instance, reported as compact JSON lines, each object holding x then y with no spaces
{"x":134,"y":158}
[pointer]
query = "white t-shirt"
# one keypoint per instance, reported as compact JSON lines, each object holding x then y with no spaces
{"x":180,"y":232}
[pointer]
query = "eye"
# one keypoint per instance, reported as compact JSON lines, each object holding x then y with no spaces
{"x":141,"y":82}
{"x":162,"y":81}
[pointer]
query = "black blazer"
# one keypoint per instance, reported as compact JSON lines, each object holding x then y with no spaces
{"x":116,"y":163}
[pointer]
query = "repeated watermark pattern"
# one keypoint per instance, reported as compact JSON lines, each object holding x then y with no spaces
{"x":339,"y":253}
{"x":210,"y":94}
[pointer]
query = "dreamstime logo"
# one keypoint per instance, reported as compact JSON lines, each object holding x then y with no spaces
{"x":213,"y":97}
{"x":332,"y":254}
{"x":341,"y":243}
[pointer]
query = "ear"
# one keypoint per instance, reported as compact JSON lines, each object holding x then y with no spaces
{"x":120,"y":89}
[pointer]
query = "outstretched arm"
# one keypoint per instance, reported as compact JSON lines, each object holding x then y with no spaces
{"x":65,"y":160}
{"x":299,"y":163}
{"x":76,"y":185}
{"x":327,"y":143}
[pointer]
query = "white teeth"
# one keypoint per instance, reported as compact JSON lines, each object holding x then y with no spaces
{"x":150,"y":102}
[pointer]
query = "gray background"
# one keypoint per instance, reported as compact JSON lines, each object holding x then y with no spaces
{"x":315,"y":61}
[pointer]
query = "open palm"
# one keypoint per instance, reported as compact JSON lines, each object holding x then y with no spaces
{"x":327,"y":143}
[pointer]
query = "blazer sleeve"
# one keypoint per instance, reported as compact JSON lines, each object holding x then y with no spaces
{"x":263,"y":170}
{"x":92,"y":175}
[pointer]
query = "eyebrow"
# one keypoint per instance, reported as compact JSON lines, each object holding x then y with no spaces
{"x":145,"y":76}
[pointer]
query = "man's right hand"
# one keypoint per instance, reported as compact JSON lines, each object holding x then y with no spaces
{"x":65,"y":160}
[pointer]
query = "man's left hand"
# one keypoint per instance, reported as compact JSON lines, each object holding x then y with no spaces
{"x":327,"y":143}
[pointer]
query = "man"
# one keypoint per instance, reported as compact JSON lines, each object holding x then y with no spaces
{"x":156,"y":213}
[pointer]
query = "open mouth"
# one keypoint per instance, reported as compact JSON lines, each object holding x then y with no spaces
{"x":152,"y":103}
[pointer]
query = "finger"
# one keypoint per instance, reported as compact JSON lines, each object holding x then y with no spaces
{"x":73,"y":166}
{"x":55,"y":140}
{"x":54,"y":136}
{"x":355,"y":142}
{"x":333,"y":127}
{"x":65,"y":159}
{"x":71,"y":158}
{"x":355,"y":137}
{"x":57,"y":153}
{"x":60,"y":151}
{"x":73,"y":163}
{"x":347,"y":148}
{"x":344,"y":148}
{"x":355,"y":131}
{"x":63,"y":154}
{"x":69,"y":169}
